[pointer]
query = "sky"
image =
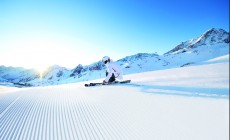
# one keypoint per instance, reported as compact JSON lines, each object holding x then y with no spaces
{"x":40,"y":33}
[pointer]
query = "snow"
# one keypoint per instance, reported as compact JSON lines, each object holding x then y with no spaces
{"x":183,"y":94}
{"x":224,"y":58}
{"x":189,"y":103}
{"x":205,"y":49}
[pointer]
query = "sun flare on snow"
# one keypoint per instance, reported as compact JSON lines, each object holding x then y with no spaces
{"x":41,"y":70}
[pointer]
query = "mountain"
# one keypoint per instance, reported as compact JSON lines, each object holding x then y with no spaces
{"x":211,"y":37}
{"x":210,"y":45}
{"x":17,"y":75}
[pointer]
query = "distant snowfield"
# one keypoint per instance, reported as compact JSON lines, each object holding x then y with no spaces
{"x":189,"y":103}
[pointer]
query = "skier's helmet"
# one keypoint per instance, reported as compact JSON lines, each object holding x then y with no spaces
{"x":105,"y":59}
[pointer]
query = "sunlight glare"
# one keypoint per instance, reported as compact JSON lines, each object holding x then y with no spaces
{"x":41,"y":70}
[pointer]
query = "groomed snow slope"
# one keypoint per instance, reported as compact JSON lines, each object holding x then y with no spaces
{"x":189,"y":103}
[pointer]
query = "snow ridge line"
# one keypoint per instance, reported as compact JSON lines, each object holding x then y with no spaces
{"x":10,"y":119}
{"x":58,"y":115}
{"x":7,"y":103}
{"x":20,"y":123}
{"x":6,"y":100}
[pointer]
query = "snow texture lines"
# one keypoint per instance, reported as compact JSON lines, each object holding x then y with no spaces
{"x":57,"y":114}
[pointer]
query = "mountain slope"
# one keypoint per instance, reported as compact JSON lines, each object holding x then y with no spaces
{"x":191,"y":105}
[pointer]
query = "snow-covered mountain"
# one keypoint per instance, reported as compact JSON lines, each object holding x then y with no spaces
{"x":17,"y":76}
{"x":212,"y":44}
{"x":211,"y":37}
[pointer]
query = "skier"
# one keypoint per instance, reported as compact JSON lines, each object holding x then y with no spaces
{"x":113,"y":71}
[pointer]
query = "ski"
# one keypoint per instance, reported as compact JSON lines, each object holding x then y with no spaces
{"x":116,"y":82}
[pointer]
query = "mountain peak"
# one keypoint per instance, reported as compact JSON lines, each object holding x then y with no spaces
{"x":211,"y":37}
{"x":220,"y":33}
{"x":216,"y":30}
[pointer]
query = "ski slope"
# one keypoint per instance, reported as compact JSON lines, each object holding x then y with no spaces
{"x":189,"y":103}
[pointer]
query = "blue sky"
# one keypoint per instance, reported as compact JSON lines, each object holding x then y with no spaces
{"x":38,"y":33}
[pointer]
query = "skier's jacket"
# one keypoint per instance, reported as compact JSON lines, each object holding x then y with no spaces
{"x":113,"y":68}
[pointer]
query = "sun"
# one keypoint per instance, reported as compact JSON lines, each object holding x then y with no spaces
{"x":41,"y":70}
